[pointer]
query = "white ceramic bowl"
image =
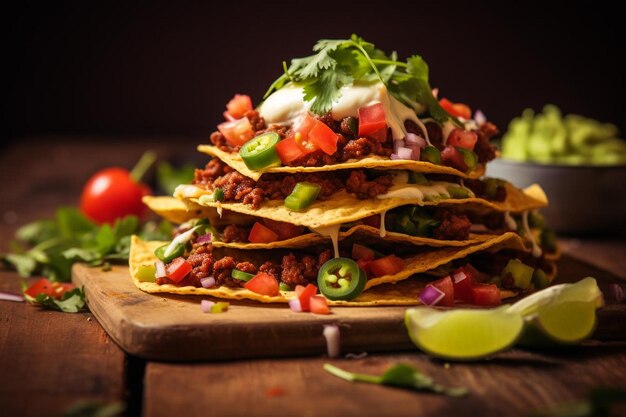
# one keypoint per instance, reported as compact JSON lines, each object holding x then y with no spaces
{"x":584,"y":200}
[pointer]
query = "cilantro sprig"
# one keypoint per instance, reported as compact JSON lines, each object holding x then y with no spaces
{"x":343,"y":62}
{"x":50,"y":247}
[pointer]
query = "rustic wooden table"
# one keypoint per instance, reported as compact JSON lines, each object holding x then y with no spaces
{"x":50,"y":360}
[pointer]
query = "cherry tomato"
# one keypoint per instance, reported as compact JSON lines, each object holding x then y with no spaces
{"x":111,"y":194}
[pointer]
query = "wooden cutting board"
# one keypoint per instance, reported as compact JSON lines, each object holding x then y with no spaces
{"x":174,"y":328}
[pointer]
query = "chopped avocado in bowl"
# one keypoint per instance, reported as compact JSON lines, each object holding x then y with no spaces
{"x":579,"y":162}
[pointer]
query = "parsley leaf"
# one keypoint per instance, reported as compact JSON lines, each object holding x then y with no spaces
{"x":71,"y":302}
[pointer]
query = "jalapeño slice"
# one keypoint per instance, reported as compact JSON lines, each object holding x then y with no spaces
{"x":260,"y":152}
{"x":341,"y":279}
{"x":240,"y":275}
{"x":179,"y":250}
{"x":431,"y":154}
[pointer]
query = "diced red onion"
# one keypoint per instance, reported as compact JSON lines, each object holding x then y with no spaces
{"x":11,"y":296}
{"x":205,"y":238}
{"x":617,"y":292}
{"x":207,"y":282}
{"x":159,"y":268}
{"x":479,"y":117}
{"x":413,"y":139}
{"x":205,"y":305}
{"x":405,"y":153}
{"x":397,"y":144}
{"x":459,"y":276}
{"x":435,"y":92}
{"x":394,"y":156}
{"x":333,"y":342}
{"x":430,"y":295}
{"x":294,"y":305}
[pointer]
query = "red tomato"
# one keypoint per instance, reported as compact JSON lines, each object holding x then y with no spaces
{"x":450,"y":156}
{"x":178,"y":269}
{"x":53,"y":289}
{"x":111,"y":194}
{"x":364,"y":264}
{"x":261,"y":234}
{"x":463,"y":139}
{"x":380,"y":136}
{"x":477,"y":276}
{"x":238,"y":106}
{"x":319,"y":305}
{"x":301,"y":129}
{"x":228,"y":117}
{"x":371,"y":119}
{"x":263,"y":284}
{"x":284,"y":230}
{"x":462,"y":286}
{"x":288,"y":150}
{"x":373,"y":221}
{"x":447,"y":287}
{"x":486,"y":295}
{"x":362,"y":252}
{"x":238,"y":132}
{"x":323,"y":137}
{"x":304,"y":295}
{"x":388,"y":265}
{"x":456,"y":109}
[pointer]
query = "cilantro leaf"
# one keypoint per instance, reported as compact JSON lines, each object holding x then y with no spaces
{"x":168,"y":177}
{"x":323,"y":92}
{"x":71,"y":302}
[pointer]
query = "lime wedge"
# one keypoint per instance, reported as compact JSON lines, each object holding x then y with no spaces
{"x":463,"y":334}
{"x":564,"y":313}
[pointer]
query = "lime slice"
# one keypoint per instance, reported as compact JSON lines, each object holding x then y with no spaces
{"x":564,"y":313}
{"x":463,"y":334}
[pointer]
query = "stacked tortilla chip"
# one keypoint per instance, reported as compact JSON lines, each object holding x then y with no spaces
{"x":406,"y":220}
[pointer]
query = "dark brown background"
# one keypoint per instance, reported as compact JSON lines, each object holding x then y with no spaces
{"x":167,"y":68}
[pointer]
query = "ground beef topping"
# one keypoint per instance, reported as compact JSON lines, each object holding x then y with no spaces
{"x":451,"y":226}
{"x":234,"y":233}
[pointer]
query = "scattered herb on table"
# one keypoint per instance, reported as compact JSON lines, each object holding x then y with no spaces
{"x":597,"y":404}
{"x":400,"y":375}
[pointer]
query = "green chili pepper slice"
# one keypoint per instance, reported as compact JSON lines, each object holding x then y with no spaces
{"x":285,"y":287}
{"x":179,"y":250}
{"x":303,"y":194}
{"x":431,"y":154}
{"x":417,"y":178}
{"x":458,"y":192}
{"x":260,"y":152}
{"x":469,"y":158}
{"x":243,"y":276}
{"x":341,"y":279}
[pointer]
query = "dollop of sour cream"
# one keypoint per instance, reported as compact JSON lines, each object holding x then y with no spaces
{"x":286,"y":104}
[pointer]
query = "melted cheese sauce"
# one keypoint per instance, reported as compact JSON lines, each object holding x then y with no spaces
{"x":419,"y":192}
{"x":536,"y":250}
{"x":188,"y":191}
{"x":383,"y":231}
{"x":333,"y":233}
{"x":286,"y":104}
{"x":510,"y":221}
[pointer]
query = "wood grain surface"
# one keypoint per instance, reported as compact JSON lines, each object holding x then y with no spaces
{"x":50,"y":360}
{"x":511,"y":384}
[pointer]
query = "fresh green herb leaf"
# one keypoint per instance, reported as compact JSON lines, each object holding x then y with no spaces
{"x":72,"y":301}
{"x":168,"y":177}
{"x":400,"y":375}
{"x":24,"y":265}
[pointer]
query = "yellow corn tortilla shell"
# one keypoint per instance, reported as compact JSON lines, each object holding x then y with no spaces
{"x":386,"y":292}
{"x":234,"y":160}
{"x":344,"y":207}
{"x":175,"y":211}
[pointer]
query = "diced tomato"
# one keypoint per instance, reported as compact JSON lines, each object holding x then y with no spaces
{"x":178,"y":269}
{"x":264,"y":284}
{"x":323,"y":137}
{"x":447,"y":287}
{"x":456,"y":109}
{"x":452,"y":157}
{"x":261,"y":234}
{"x":238,"y":106}
{"x":462,"y":139}
{"x":288,"y":150}
{"x":463,"y":282}
{"x":362,"y":252}
{"x":284,"y":230}
{"x":228,"y":117}
{"x":373,"y":221}
{"x":53,"y":289}
{"x":364,"y":264}
{"x":477,"y":276}
{"x":319,"y":305}
{"x":379,"y":136}
{"x":302,"y":128}
{"x":371,"y":119}
{"x":238,"y":132}
{"x":486,"y":295}
{"x":388,"y":265}
{"x":304,"y":295}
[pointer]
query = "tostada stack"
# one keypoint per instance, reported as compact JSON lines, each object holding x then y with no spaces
{"x":351,"y":179}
